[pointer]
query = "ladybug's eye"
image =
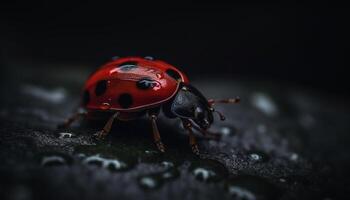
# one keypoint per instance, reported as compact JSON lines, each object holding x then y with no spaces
{"x":198,"y":113}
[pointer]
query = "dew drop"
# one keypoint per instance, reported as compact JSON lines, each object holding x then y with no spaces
{"x":65,"y":135}
{"x":159,"y":75}
{"x":81,"y":155}
{"x":241,"y":193}
{"x":149,"y":58}
{"x":112,"y":164}
{"x":203,"y":174}
{"x":55,"y":96}
{"x":151,"y":152}
{"x":53,"y":161}
{"x":105,"y":106}
{"x":148,"y":182}
{"x":255,"y":157}
{"x":252,"y":187}
{"x":226,"y":131}
{"x":282,"y":180}
{"x":264,"y":103}
{"x":167,"y":164}
{"x":294,"y":157}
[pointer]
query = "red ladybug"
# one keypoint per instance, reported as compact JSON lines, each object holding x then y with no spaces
{"x":132,"y":87}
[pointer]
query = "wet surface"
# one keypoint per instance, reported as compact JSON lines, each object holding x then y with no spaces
{"x":280,"y":142}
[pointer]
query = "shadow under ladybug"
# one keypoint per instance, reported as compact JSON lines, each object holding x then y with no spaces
{"x":131,"y":87}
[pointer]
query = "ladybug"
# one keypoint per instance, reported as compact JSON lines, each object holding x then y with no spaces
{"x":130,"y":87}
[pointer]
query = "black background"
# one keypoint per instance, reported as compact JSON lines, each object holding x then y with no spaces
{"x":295,"y":43}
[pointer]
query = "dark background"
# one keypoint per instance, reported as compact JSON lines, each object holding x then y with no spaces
{"x":260,"y":51}
{"x":295,"y":43}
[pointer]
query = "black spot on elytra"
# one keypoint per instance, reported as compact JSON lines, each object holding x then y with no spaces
{"x":125,"y":100}
{"x":146,"y":83}
{"x":174,"y":74}
{"x":126,"y":66}
{"x":101,"y":87}
{"x":86,"y":97}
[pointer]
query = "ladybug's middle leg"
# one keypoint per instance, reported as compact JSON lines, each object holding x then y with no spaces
{"x":156,"y":135}
{"x":104,"y":132}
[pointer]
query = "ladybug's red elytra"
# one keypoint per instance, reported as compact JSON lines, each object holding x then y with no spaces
{"x":131,"y":87}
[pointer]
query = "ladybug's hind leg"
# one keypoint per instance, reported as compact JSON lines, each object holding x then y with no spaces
{"x":156,"y":135}
{"x":188,"y":126}
{"x":79,"y":114}
{"x":106,"y":129}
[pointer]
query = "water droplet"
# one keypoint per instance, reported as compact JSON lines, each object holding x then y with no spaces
{"x":203,"y":174}
{"x":151,"y":152}
{"x":65,"y":135}
{"x":53,"y":161}
{"x":257,"y":157}
{"x":81,"y":155}
{"x":208,"y":170}
{"x":294,"y":157}
{"x":148,"y":182}
{"x":118,"y":158}
{"x":159,"y":75}
{"x":105,"y":106}
{"x":226,"y":131}
{"x":241,"y":193}
{"x":252,"y":187}
{"x":151,"y":156}
{"x":155,"y":180}
{"x":112,"y":164}
{"x":282,"y":180}
{"x":55,"y":96}
{"x":149,"y":58}
{"x":264,"y":103}
{"x":167,"y":164}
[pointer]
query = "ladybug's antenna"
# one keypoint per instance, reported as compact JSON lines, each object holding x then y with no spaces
{"x":222,"y":117}
{"x":231,"y":100}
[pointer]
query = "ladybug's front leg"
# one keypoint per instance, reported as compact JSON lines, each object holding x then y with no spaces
{"x":104,"y":132}
{"x":188,"y":126}
{"x":156,"y":135}
{"x":80,"y":113}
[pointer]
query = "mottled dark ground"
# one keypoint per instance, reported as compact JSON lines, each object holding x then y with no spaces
{"x":280,"y":142}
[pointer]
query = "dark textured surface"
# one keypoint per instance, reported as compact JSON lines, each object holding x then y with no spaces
{"x":280,"y":142}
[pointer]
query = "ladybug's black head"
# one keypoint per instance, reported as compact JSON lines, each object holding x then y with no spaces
{"x":191,"y":104}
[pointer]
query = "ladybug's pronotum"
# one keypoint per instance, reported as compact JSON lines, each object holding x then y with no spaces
{"x":131,"y":87}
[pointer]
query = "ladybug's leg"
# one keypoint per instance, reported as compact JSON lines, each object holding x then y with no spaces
{"x":188,"y":126}
{"x":80,"y":113}
{"x":156,"y":136}
{"x":231,"y":100}
{"x":103,"y":133}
